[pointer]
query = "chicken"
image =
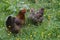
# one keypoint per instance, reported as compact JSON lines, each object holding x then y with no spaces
{"x":14,"y":24}
{"x":21,"y":16}
{"x":36,"y":17}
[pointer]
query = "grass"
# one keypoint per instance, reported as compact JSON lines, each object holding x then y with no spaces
{"x":48,"y":30}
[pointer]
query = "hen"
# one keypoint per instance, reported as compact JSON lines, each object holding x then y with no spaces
{"x":36,"y":17}
{"x":13,"y":24}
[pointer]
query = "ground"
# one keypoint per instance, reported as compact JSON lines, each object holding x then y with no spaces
{"x":49,"y":28}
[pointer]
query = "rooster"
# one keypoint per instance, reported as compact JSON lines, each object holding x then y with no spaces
{"x":14,"y":24}
{"x":36,"y":17}
{"x":21,"y":16}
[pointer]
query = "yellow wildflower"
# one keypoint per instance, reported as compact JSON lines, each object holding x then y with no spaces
{"x":58,"y":36}
{"x":42,"y":34}
{"x":9,"y":34}
{"x":31,"y":36}
{"x":49,"y":34}
{"x":49,"y":17}
{"x":17,"y":39}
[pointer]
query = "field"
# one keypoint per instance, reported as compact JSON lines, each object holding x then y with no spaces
{"x":48,"y":30}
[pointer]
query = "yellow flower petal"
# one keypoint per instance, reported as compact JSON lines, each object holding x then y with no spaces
{"x":8,"y":34}
{"x":42,"y":34}
{"x":49,"y":34}
{"x":49,"y":17}
{"x":30,"y":35}
{"x":58,"y":36}
{"x":17,"y":39}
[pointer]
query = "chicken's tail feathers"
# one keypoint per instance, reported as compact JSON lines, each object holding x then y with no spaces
{"x":8,"y":21}
{"x":9,"y":17}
